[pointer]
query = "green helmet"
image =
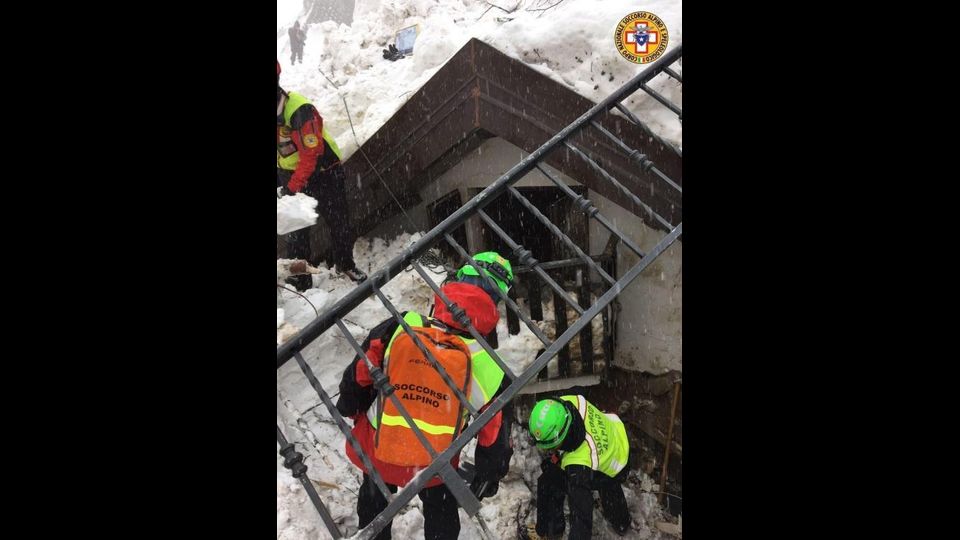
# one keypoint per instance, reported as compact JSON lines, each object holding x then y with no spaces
{"x":494,"y":266}
{"x":549,"y":423}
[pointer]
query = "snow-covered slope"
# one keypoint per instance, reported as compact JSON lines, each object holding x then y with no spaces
{"x":571,"y":43}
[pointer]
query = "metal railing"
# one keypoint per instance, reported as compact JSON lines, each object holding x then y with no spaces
{"x":440,"y":464}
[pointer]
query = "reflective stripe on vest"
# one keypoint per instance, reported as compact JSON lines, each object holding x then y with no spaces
{"x":594,"y":457}
{"x":389,"y":420}
{"x":294,"y":102}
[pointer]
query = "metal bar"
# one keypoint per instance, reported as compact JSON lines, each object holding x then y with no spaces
{"x":607,"y":340}
{"x":547,"y":129}
{"x":562,"y":263}
{"x":637,"y":156}
{"x":412,"y":425}
{"x":560,"y":234}
{"x":609,"y":314}
{"x":464,"y":400}
{"x":673,"y":74}
{"x":535,"y":299}
{"x":665,"y":178}
{"x":623,"y":189}
{"x":630,"y":116}
{"x":503,"y":399}
{"x":485,"y":532}
{"x":398,"y":263}
{"x":645,"y":163}
{"x":508,"y":301}
{"x":312,"y":493}
{"x":586,"y":337}
{"x":666,"y":102}
{"x":560,"y":324}
{"x":473,"y":331}
{"x":377,"y":480}
{"x":632,"y":153}
{"x":513,"y":322}
{"x":589,"y":209}
{"x":540,"y":272}
{"x":460,"y":490}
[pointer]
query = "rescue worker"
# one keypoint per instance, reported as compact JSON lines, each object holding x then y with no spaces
{"x":589,"y":451}
{"x":308,"y":161}
{"x":495,"y":267}
{"x":385,"y":436}
{"x":297,"y":40}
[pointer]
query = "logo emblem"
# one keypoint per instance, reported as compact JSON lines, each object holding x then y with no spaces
{"x":641,"y":37}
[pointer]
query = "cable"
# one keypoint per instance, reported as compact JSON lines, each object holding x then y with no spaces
{"x":301,"y":296}
{"x":432,"y":259}
{"x":429,"y":259}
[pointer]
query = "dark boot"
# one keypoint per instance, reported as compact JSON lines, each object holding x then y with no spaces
{"x":301,"y":282}
{"x":356,"y":275}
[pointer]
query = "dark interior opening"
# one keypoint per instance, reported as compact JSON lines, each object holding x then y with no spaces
{"x":440,"y":210}
{"x":525,"y":229}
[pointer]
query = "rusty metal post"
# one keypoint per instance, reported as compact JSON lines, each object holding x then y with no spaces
{"x":666,"y":453}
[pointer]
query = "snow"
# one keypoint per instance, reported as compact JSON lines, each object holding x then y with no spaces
{"x":571,"y":43}
{"x":295,"y":212}
{"x":287,"y":12}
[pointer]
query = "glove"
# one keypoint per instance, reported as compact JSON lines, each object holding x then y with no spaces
{"x":392,"y":53}
{"x":482,"y":486}
{"x":550,"y":463}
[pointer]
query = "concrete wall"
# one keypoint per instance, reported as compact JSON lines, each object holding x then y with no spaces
{"x":649,"y":322}
{"x":649,"y":327}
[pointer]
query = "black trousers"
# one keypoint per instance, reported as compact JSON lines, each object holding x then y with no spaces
{"x":441,"y":521}
{"x":328,"y":188}
{"x":553,"y":488}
